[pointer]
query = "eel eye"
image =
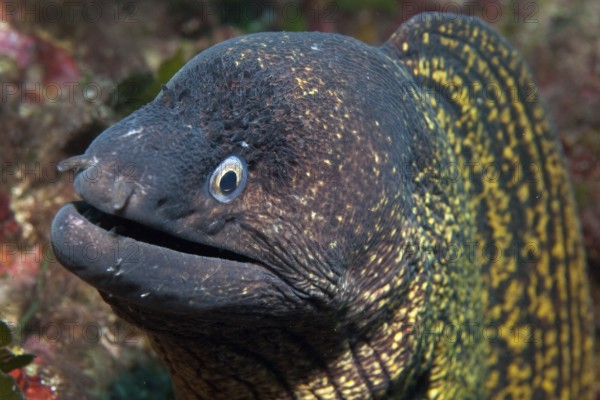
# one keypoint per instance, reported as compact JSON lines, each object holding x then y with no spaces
{"x":228,"y":179}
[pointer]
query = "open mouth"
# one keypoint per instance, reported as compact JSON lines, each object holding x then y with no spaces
{"x":140,"y":265}
{"x":123,"y":227}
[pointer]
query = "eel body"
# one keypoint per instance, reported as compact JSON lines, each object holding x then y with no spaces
{"x":304,"y":216}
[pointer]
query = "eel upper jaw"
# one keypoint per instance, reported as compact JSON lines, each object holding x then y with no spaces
{"x":160,"y":272}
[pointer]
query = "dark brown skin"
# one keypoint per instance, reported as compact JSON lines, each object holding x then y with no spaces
{"x":329,"y":259}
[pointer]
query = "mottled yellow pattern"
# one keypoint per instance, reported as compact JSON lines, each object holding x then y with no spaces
{"x":536,"y":294}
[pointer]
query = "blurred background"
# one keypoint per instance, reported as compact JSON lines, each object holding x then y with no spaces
{"x":69,"y":69}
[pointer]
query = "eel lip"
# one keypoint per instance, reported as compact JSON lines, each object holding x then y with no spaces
{"x":150,"y":275}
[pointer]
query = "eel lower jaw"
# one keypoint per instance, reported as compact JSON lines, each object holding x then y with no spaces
{"x":159,"y":272}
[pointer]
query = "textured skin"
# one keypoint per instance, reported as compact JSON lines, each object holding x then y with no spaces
{"x":409,"y":205}
{"x":537,"y":292}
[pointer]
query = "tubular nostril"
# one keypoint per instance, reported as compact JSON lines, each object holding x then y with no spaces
{"x":76,"y":163}
{"x":115,"y":190}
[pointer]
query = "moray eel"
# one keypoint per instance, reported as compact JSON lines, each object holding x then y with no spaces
{"x":304,"y":216}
